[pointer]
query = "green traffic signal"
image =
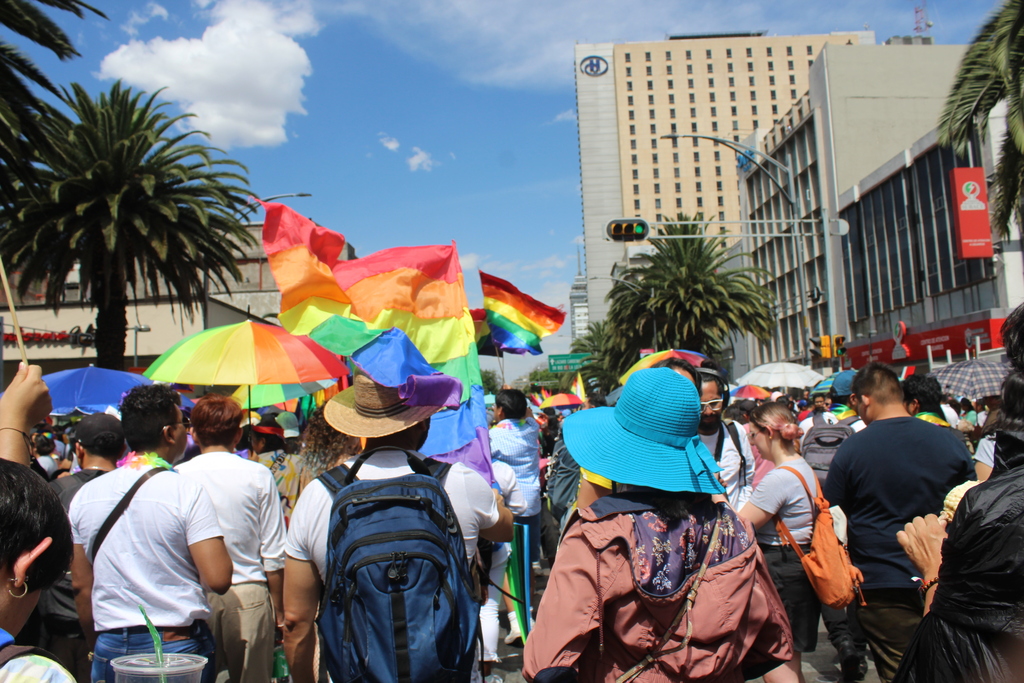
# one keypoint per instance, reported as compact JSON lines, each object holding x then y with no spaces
{"x":627,"y":230}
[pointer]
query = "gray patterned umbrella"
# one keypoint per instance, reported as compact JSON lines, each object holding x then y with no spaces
{"x":972,"y":378}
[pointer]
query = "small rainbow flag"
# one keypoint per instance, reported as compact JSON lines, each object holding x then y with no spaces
{"x":579,"y":388}
{"x":518,"y":321}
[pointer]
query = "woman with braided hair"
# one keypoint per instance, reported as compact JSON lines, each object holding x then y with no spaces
{"x":781,"y":497}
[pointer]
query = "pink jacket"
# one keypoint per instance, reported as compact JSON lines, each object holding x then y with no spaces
{"x":740,"y":628}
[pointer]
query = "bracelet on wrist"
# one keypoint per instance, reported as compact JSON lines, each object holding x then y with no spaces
{"x":926,"y":585}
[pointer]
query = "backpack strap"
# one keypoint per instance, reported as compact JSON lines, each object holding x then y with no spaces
{"x":849,"y":421}
{"x":781,"y":527}
{"x":438,"y":469}
{"x":818,"y":419}
{"x":14,"y":651}
{"x":735,"y":435}
{"x":415,"y":462}
{"x":119,"y":509}
{"x":691,"y":596}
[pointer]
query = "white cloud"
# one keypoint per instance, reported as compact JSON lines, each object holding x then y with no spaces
{"x":241,"y":78}
{"x":388,"y":141}
{"x":567,"y":115}
{"x":137,"y":19}
{"x":421,"y":160}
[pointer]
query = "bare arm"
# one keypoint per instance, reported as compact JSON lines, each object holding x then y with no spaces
{"x":302,"y":586}
{"x":501,"y":532}
{"x":982,"y":471}
{"x":275,"y":582}
{"x":26,"y":402}
{"x":81,"y":584}
{"x":757,"y":517}
{"x":213,"y":563}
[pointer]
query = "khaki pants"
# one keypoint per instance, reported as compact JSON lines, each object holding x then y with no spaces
{"x":242,"y":622}
{"x":889,"y":621}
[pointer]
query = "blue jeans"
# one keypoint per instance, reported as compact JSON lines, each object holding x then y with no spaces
{"x":113,"y":644}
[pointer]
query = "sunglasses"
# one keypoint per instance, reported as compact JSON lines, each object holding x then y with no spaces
{"x":714,"y":405}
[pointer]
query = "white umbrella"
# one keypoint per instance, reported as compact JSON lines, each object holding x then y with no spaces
{"x":781,"y":375}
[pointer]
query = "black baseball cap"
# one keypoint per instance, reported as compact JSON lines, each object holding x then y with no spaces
{"x":91,"y":427}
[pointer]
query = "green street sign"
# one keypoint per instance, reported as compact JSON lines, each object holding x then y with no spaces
{"x":566,"y":362}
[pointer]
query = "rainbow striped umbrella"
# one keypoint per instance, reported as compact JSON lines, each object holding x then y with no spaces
{"x":562,"y":401}
{"x":750,"y":391}
{"x":246,"y":353}
{"x":254,"y":396}
{"x":691,"y":357}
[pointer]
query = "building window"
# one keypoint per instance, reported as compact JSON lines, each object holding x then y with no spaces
{"x":753,"y":95}
{"x":789,"y":51}
{"x":689,"y":68}
{"x":679,"y":202}
{"x":752,"y":81}
{"x":650,"y":71}
{"x":636,"y":189}
{"x":700,"y":202}
{"x":650,"y":100}
{"x":721,"y":215}
{"x":629,"y":100}
{"x":693,"y":112}
{"x":675,"y":171}
{"x":693,"y":98}
{"x":711,"y":83}
{"x":733,"y":111}
{"x":654,"y":158}
{"x":689,"y":83}
{"x":679,"y":187}
{"x":755,"y":123}
{"x":647,"y":56}
{"x":696,"y":157}
{"x":714,"y":111}
{"x":775,"y":109}
{"x":636,"y":204}
{"x":772,"y":94}
{"x":671,"y":84}
{"x":668,"y":69}
{"x":750,"y":66}
{"x":718,"y":156}
{"x":656,"y":173}
{"x":696,"y":171}
{"x":736,"y":138}
{"x":721,"y":200}
{"x":792,"y":94}
{"x":689,"y":55}
{"x":633,"y":159}
{"x":657,"y":188}
{"x":728,"y":53}
{"x":672,"y":114}
{"x":654,"y":129}
{"x":629,"y":72}
{"x":636,"y":174}
{"x":668,"y":56}
{"x":650,"y":85}
{"x":630,"y":114}
{"x":657,"y":205}
{"x":650,"y":113}
{"x":693,"y":127}
{"x":792,"y":79}
{"x":718,"y":185}
{"x":753,"y":110}
{"x":673,"y":126}
{"x":810,"y":63}
{"x":769,"y":51}
{"x":654,"y":143}
{"x":696,"y":142}
{"x":700,"y":186}
{"x":711,"y":68}
{"x":732,"y":95}
{"x":632,"y":129}
{"x":629,"y":85}
{"x":810,"y":50}
{"x":711,"y":96}
{"x":718,"y":170}
{"x":735,"y":125}
{"x":627,"y":58}
{"x":771,"y":80}
{"x":671,"y":98}
{"x":707,"y":53}
{"x":728,"y":67}
{"x":771,"y":66}
{"x":632,"y":144}
{"x":675,"y":160}
{"x":732,"y":82}
{"x":789,"y":65}
{"x":750,"y":52}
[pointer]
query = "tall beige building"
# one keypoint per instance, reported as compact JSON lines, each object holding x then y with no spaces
{"x":630,"y":95}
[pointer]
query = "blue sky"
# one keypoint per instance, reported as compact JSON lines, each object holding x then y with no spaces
{"x":423,"y":121}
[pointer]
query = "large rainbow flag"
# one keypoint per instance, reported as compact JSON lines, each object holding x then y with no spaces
{"x":347,"y":307}
{"x":518,"y":321}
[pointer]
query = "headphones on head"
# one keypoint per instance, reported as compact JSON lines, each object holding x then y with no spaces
{"x":711,"y":375}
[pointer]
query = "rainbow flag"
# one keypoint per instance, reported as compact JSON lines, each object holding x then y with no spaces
{"x":518,"y":322}
{"x":482,"y":333}
{"x":578,"y":388}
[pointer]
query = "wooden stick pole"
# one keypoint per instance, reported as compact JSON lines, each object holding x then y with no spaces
{"x":14,"y":314}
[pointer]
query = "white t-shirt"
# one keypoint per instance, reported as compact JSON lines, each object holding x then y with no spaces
{"x":248,"y":506}
{"x":471,"y":498}
{"x":505,"y":478}
{"x":950,"y":415}
{"x":781,"y":493}
{"x":145,"y":559}
{"x":736,"y":490}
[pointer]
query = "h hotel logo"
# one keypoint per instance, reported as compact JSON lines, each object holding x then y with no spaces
{"x":594,"y":66}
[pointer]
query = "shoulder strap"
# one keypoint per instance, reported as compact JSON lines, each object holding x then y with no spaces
{"x":415,"y":462}
{"x":119,"y":509}
{"x":735,"y":435}
{"x":848,"y":421}
{"x":803,"y":481}
{"x":691,"y":596}
{"x":781,"y":527}
{"x":720,"y":443}
{"x":818,"y":419}
{"x":14,"y":651}
{"x":438,"y":469}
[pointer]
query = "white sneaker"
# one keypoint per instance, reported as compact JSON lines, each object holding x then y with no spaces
{"x":514,"y":635}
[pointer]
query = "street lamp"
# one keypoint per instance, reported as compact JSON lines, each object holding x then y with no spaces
{"x":136,"y":330}
{"x":636,"y":288}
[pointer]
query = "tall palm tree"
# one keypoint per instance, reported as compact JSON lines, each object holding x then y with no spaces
{"x":989,"y":73}
{"x":593,"y":343}
{"x":140,"y":209}
{"x":697,"y":302}
{"x":19,"y":107}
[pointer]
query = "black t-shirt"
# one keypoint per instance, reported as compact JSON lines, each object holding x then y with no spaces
{"x":883,"y":477}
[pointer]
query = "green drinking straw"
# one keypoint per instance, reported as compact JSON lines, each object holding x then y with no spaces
{"x":158,"y":644}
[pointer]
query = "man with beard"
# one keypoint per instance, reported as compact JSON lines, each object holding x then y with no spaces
{"x":727,"y":443}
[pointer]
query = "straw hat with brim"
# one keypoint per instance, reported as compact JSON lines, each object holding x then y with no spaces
{"x":370,"y":409}
{"x":649,"y":438}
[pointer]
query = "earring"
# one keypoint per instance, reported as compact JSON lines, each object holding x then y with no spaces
{"x":23,"y":592}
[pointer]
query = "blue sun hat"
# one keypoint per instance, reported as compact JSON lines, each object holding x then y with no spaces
{"x":649,"y":438}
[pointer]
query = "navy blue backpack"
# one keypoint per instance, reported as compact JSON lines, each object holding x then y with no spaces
{"x":399,"y":602}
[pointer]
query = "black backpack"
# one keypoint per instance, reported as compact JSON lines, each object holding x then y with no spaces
{"x":564,"y":483}
{"x":823,"y":440}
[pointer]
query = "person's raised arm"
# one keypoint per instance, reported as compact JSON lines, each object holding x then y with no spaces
{"x":302,"y":586}
{"x":213,"y":563}
{"x":25,"y":403}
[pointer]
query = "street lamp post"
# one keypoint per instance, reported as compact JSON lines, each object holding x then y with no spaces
{"x":136,"y":330}
{"x":636,"y":288}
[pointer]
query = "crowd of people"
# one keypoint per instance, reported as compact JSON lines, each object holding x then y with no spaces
{"x":676,"y":524}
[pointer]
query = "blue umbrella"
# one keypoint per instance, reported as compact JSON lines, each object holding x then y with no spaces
{"x":91,"y":390}
{"x":823,"y":386}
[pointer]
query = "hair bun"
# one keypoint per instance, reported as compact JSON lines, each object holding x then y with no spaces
{"x":791,"y":432}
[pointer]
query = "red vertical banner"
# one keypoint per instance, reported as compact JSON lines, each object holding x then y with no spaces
{"x":971,"y":227}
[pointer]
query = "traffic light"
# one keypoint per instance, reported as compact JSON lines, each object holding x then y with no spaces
{"x":821,"y":346}
{"x":839,"y":344}
{"x":628,"y":230}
